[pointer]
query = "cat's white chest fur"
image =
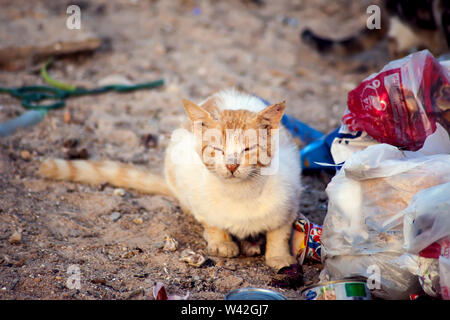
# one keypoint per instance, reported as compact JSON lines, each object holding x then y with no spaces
{"x":243,"y":208}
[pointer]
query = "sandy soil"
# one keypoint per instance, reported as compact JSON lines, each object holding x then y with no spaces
{"x":198,"y":48}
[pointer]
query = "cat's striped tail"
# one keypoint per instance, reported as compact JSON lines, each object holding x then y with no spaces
{"x":98,"y":172}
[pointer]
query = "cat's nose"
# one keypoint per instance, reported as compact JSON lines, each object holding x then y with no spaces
{"x":232,"y":167}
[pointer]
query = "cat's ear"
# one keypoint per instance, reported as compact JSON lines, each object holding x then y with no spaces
{"x":196,"y":113}
{"x":271,"y":116}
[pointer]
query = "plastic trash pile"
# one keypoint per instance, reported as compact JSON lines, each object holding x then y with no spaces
{"x":389,"y":206}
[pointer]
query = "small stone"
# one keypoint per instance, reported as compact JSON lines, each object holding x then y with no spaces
{"x":15,"y":238}
{"x":123,"y":137}
{"x":159,"y":245}
{"x":25,"y":155}
{"x":149,"y":140}
{"x":170,"y":244}
{"x":119,"y":192}
{"x":14,"y":284}
{"x":114,"y":79}
{"x":98,"y":281}
{"x":172,"y":88}
{"x":138,"y":221}
{"x":128,"y":255}
{"x":220,"y":264}
{"x":67,"y":117}
{"x":230,"y":266}
{"x":135,"y":293}
{"x":115,"y":216}
{"x":73,"y":154}
{"x":228,"y":283}
{"x":70,"y":143}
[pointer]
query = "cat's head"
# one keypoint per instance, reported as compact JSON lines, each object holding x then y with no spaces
{"x":235,"y":145}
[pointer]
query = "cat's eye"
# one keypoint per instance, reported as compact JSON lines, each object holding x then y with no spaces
{"x":250,"y":148}
{"x":217,"y":149}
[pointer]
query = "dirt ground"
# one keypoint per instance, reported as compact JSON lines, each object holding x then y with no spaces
{"x":197,"y":47}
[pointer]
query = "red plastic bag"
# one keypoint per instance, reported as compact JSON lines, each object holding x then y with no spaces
{"x":401,"y":104}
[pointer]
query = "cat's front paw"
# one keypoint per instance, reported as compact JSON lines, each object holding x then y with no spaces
{"x":226,"y":249}
{"x":279,"y":262}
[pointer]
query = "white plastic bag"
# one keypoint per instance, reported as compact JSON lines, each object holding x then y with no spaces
{"x":373,"y":187}
{"x":426,"y":225}
{"x":427,"y":218}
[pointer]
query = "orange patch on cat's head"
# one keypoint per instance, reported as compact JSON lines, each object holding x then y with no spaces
{"x":210,"y":115}
{"x":233,"y":142}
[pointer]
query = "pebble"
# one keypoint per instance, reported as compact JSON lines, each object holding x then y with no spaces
{"x":128,"y":255}
{"x":229,"y":266}
{"x":119,"y":192}
{"x":67,"y":117}
{"x":123,"y":137}
{"x":114,"y":79}
{"x":15,"y":238}
{"x":170,"y":244}
{"x":149,"y":140}
{"x":159,"y":245}
{"x":135,"y":293}
{"x":228,"y":283}
{"x":172,"y":88}
{"x":138,"y":221}
{"x":14,"y":284}
{"x":25,"y":154}
{"x":115,"y":216}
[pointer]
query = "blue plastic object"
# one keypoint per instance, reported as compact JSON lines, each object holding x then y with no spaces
{"x":300,"y":129}
{"x":318,"y":146}
{"x":26,"y":119}
{"x":318,"y":152}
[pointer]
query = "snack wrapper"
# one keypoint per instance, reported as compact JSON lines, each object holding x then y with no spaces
{"x":434,"y":263}
{"x":305,"y":240}
{"x":401,"y":104}
{"x":428,"y":275}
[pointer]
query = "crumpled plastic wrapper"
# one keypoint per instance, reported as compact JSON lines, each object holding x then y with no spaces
{"x":401,"y":104}
{"x":192,"y":258}
{"x":160,"y":293}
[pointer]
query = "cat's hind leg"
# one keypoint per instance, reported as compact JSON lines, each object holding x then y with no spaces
{"x":252,"y":246}
{"x":220,"y":242}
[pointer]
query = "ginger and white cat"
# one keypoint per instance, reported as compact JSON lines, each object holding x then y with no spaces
{"x":234,"y":183}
